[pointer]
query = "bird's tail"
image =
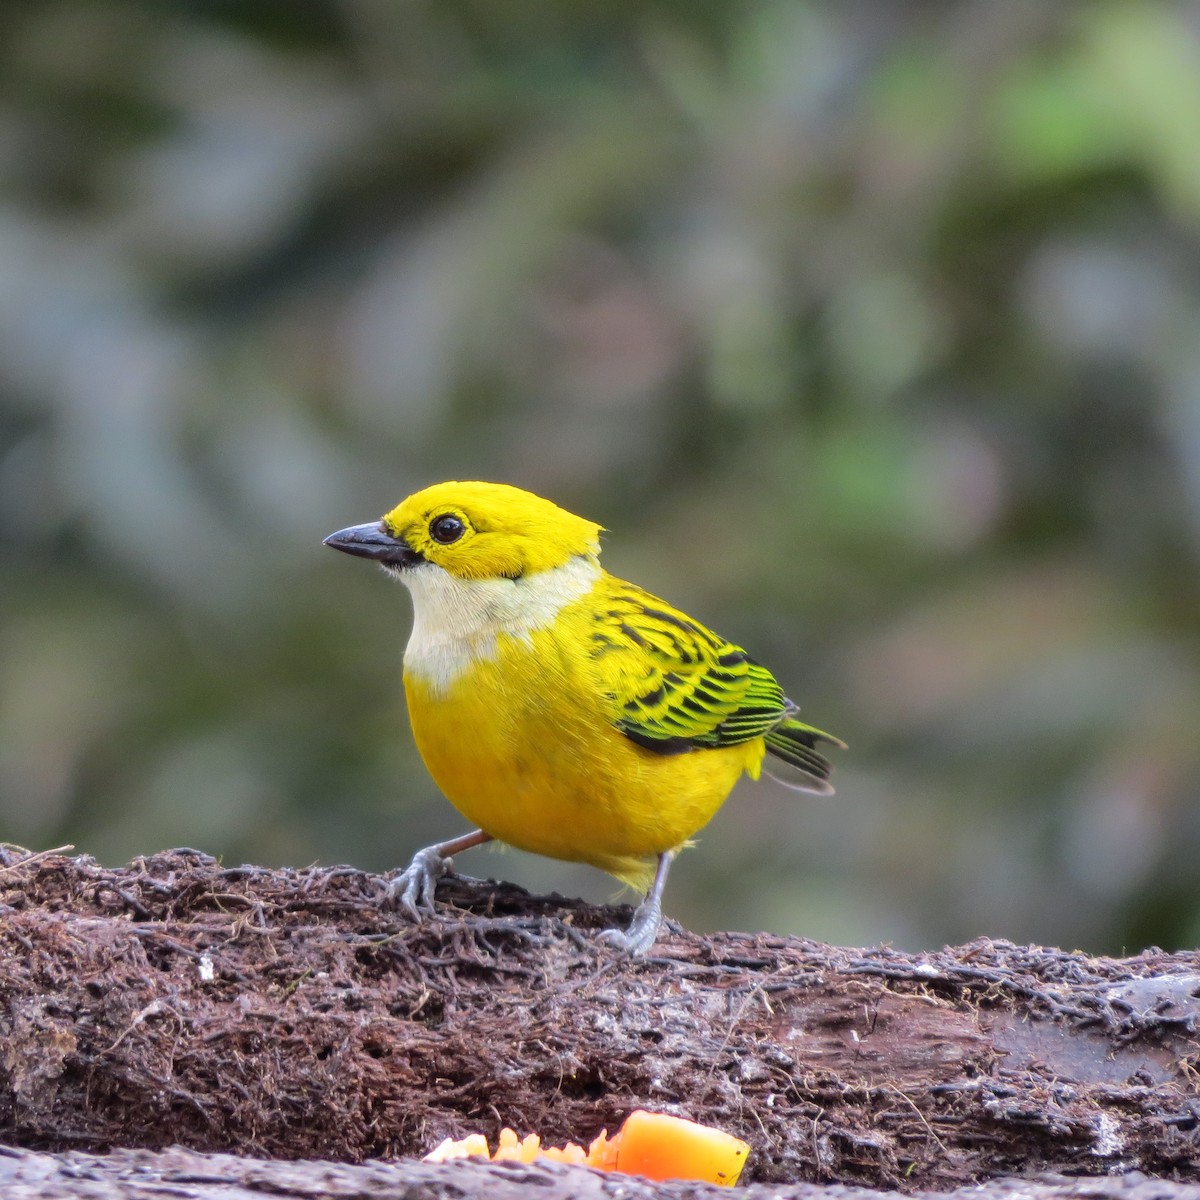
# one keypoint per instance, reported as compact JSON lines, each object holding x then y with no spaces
{"x":800,"y":765}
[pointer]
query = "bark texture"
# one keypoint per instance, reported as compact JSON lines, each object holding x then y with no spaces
{"x":285,"y":1014}
{"x":189,"y":1175}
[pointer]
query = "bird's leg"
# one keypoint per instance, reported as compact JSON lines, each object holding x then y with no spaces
{"x":647,"y":917}
{"x":415,"y":885}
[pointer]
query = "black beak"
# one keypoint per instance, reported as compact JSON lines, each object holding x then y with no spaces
{"x":374,"y":541}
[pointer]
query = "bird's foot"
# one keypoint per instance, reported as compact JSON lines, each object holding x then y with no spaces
{"x":415,"y":886}
{"x":642,"y":931}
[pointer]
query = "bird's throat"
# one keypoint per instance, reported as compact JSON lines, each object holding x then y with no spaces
{"x":459,"y":622}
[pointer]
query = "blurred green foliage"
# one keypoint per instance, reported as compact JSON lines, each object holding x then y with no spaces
{"x":871,"y":332}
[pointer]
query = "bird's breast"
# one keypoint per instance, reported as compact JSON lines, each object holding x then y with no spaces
{"x":523,"y":744}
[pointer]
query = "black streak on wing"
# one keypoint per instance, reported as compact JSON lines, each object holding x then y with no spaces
{"x":674,"y":745}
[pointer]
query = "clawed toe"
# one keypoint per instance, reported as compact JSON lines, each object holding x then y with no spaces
{"x":414,"y":888}
{"x":640,"y":935}
{"x":647,"y":917}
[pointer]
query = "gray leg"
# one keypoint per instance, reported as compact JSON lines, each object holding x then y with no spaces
{"x":415,"y":885}
{"x":643,"y":929}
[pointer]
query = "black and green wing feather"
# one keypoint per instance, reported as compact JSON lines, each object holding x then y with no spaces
{"x":676,"y":686}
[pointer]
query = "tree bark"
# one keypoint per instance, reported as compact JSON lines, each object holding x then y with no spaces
{"x":190,"y":1175}
{"x":286,"y":1014}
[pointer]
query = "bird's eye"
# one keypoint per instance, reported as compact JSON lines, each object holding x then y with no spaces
{"x":446,"y":529}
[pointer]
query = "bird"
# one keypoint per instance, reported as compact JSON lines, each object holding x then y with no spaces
{"x":562,"y":710}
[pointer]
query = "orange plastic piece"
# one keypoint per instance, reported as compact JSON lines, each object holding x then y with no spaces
{"x":651,"y":1144}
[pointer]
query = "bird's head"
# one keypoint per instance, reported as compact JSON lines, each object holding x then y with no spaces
{"x":473,"y":531}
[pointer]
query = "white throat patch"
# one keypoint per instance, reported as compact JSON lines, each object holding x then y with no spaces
{"x":456,"y":622}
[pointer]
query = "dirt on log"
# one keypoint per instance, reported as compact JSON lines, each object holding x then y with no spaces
{"x":286,"y":1014}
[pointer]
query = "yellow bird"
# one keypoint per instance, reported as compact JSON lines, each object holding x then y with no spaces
{"x":562,"y":710}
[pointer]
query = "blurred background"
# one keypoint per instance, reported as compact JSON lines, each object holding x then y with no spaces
{"x":870,"y":331}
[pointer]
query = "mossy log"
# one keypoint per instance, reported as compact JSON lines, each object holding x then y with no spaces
{"x":288,"y":1015}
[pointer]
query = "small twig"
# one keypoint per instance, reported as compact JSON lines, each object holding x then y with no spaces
{"x":29,"y":859}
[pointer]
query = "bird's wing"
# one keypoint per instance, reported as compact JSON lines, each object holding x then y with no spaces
{"x":673,"y":684}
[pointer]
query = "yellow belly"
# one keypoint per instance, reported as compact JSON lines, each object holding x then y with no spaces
{"x":522,"y":746}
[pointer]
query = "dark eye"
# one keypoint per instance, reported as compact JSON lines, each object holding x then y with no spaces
{"x":446,"y":529}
